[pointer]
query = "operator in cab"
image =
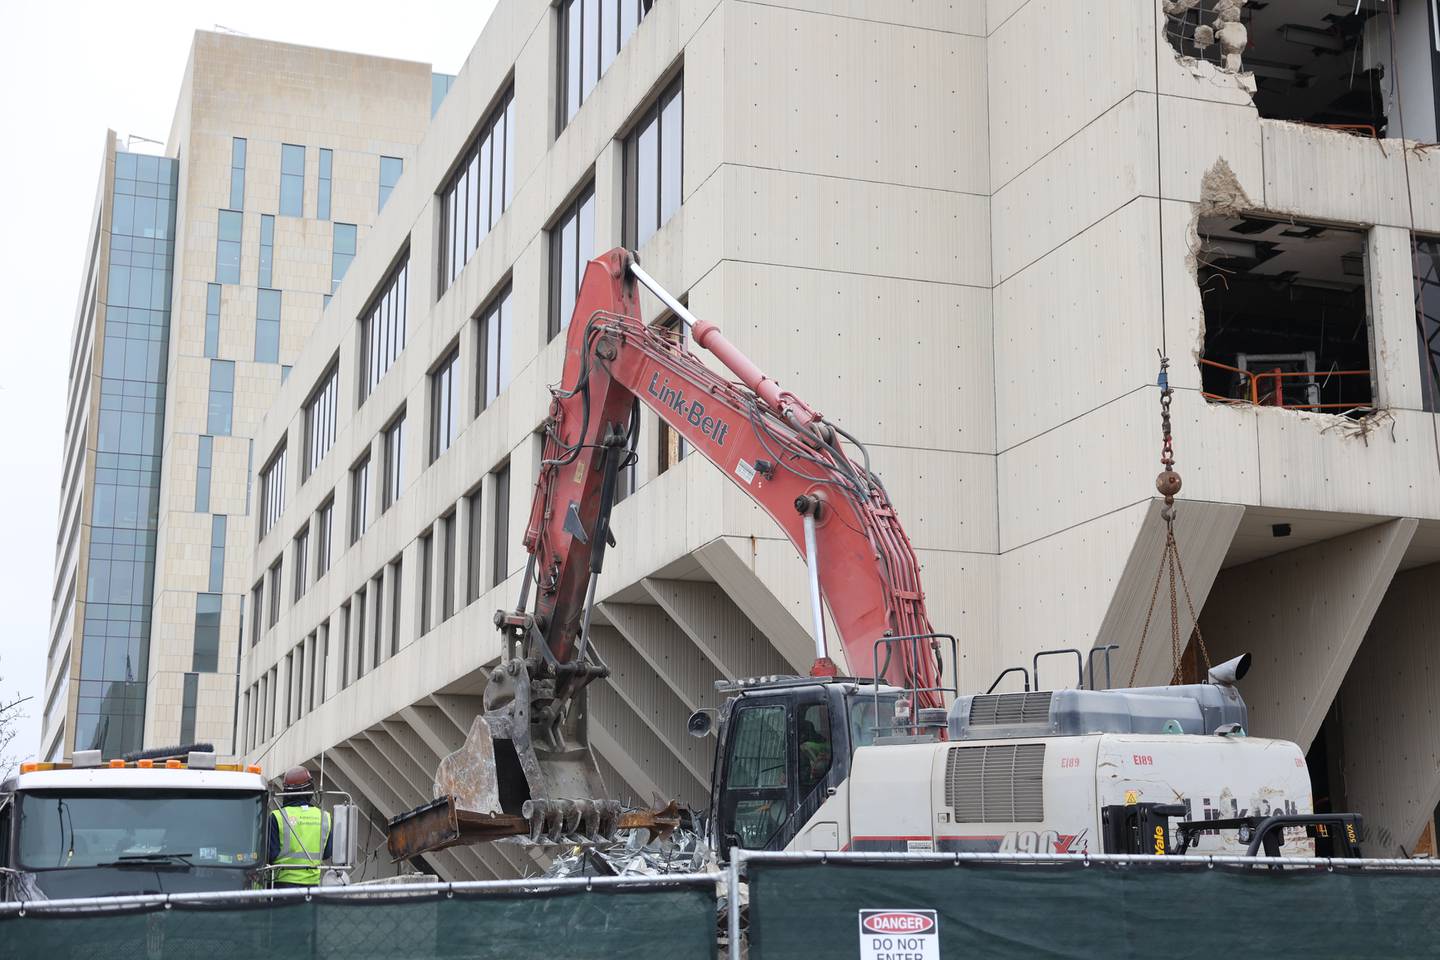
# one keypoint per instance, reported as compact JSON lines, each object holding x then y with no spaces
{"x":299,"y":833}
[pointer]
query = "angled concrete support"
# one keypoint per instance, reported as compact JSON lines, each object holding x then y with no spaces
{"x":1302,"y":615}
{"x":1204,"y":532}
{"x":715,"y":624}
{"x":756,"y":600}
{"x":646,"y":762}
{"x":1389,"y":719}
{"x":652,"y":702}
{"x":668,"y":651}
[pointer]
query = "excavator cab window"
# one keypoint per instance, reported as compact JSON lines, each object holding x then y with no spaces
{"x":755,"y":802}
{"x":815,"y":746}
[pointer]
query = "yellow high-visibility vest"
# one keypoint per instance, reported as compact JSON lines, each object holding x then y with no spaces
{"x":303,"y":833}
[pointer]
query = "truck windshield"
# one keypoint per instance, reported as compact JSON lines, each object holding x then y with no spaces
{"x":87,"y":828}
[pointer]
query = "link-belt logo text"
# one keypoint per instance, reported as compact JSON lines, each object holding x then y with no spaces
{"x":691,"y":411}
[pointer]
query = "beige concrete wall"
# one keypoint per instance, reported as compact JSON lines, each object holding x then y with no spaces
{"x":359,"y":107}
{"x":963,"y":232}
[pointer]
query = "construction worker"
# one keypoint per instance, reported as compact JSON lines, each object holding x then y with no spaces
{"x":299,"y":833}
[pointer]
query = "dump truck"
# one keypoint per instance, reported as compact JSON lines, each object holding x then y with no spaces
{"x":173,"y":820}
{"x":894,"y":757}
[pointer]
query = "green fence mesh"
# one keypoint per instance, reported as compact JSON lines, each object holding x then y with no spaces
{"x":1115,"y":912}
{"x":678,"y":924}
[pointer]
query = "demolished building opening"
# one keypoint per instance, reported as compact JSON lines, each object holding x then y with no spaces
{"x":1286,"y":315}
{"x":1321,"y":61}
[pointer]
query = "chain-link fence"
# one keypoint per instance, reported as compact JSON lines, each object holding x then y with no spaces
{"x":595,"y":918}
{"x":779,"y":906}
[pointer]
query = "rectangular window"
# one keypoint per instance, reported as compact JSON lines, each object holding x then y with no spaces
{"x":342,"y":252}
{"x":377,"y":587}
{"x":207,"y":633}
{"x":323,"y":667}
{"x":202,"y":474}
{"x":217,"y":554}
{"x":274,"y":589}
{"x":323,"y":529}
{"x":302,"y":561}
{"x":592,"y":32}
{"x":394,"y":462}
{"x":572,"y":245}
{"x":322,"y":200}
{"x":475,"y":551}
{"x":479,"y":190}
{"x":257,"y":611}
{"x":494,"y":347}
{"x":382,"y":327}
{"x":189,"y":694}
{"x":359,"y":498}
{"x":272,"y":490}
{"x":390,"y":170}
{"x":237,"y":174}
{"x":654,"y":153}
{"x":444,"y":404}
{"x":397,"y":568}
{"x":267,"y":250}
{"x":292,"y":180}
{"x":501,"y":525}
{"x":345,"y":645}
{"x":320,"y":413}
{"x":360,"y":616}
{"x":447,"y":567}
{"x":427,"y":579}
{"x":267,"y":326}
{"x":212,"y":320}
{"x":227,"y":247}
{"x":221,"y":403}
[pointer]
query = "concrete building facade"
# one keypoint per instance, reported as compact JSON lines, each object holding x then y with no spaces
{"x":209,"y":267}
{"x":964,"y":231}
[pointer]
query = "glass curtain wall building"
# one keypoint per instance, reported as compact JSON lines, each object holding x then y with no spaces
{"x":125,"y":508}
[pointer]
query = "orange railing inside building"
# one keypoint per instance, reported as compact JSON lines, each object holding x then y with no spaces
{"x":1266,"y":388}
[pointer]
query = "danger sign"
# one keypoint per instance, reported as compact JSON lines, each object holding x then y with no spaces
{"x":899,"y":935}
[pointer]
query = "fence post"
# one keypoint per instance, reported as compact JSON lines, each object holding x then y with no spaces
{"x":732,"y":902}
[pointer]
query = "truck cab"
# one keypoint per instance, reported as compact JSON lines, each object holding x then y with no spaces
{"x":129,"y":828}
{"x":785,"y":747}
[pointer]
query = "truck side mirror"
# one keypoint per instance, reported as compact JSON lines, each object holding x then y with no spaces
{"x":700,"y":724}
{"x":345,"y":833}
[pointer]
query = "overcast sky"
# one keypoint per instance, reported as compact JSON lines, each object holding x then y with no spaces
{"x":69,"y":72}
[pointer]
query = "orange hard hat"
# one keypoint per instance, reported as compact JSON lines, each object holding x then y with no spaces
{"x":298,"y":779}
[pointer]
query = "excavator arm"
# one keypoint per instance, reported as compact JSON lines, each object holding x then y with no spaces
{"x":527,"y":754}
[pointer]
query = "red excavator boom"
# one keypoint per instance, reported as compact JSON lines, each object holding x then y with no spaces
{"x":768,"y":442}
{"x":526,"y":766}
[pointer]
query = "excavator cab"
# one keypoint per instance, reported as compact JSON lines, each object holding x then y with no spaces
{"x":784,"y":747}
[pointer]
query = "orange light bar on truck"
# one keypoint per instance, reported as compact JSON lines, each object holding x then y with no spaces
{"x":117,"y":764}
{"x":144,"y":764}
{"x":252,"y":768}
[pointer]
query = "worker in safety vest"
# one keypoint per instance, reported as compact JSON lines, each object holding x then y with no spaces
{"x":299,"y":833}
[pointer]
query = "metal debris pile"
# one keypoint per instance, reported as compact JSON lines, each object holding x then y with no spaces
{"x":683,"y":851}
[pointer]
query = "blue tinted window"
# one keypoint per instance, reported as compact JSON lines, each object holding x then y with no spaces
{"x":212,"y":320}
{"x":267,"y":326}
{"x":207,"y":632}
{"x":342,"y":253}
{"x":237,"y":173}
{"x":267,"y":249}
{"x":202,"y":475}
{"x":227,"y":246}
{"x":188,"y":698}
{"x":390,"y":170}
{"x":222,"y":397}
{"x":292,"y":180}
{"x":217,"y":554}
{"x":440,"y":84}
{"x":322,"y":201}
